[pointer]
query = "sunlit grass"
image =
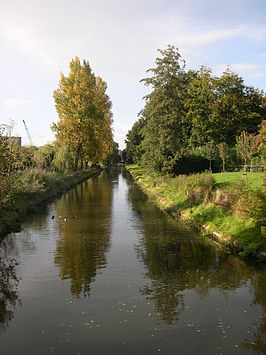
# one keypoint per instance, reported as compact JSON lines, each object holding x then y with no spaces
{"x":191,"y":197}
{"x":255,"y":179}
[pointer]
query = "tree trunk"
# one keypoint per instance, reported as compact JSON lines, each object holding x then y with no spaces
{"x":77,"y":157}
{"x":251,"y":166}
{"x":245,"y":169}
{"x":210,"y":166}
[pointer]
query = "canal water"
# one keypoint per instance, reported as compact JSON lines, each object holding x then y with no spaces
{"x":102,"y":271}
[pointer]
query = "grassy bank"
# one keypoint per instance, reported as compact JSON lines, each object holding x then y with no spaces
{"x":228,"y":208}
{"x":33,"y":188}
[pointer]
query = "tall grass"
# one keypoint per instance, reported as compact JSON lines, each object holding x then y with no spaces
{"x":35,"y":180}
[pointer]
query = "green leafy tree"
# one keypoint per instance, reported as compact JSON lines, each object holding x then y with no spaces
{"x":247,"y":146}
{"x":262,"y":145}
{"x":114,"y":158}
{"x":188,"y":112}
{"x":6,"y":170}
{"x":200,"y":104}
{"x":64,"y":159}
{"x":223,"y":153}
{"x":25,"y":157}
{"x":166,"y":130}
{"x":44,"y":156}
{"x":254,"y":110}
{"x":238,"y":108}
{"x":209,"y":151}
{"x":103,"y":138}
{"x":134,"y":140}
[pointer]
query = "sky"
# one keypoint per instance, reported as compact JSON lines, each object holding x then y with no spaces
{"x":119,"y":38}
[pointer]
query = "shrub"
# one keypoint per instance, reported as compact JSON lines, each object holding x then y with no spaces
{"x":34,"y":180}
{"x":197,"y":187}
{"x":258,"y":207}
{"x":240,"y":196}
{"x":6,"y":170}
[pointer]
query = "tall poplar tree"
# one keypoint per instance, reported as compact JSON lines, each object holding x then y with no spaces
{"x":83,"y":109}
{"x":103,"y":133}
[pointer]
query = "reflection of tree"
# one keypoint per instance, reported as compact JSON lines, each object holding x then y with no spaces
{"x":258,"y":344}
{"x":83,"y":240}
{"x":8,"y":284}
{"x":178,"y":264}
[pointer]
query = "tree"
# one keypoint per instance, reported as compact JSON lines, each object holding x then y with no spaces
{"x":237,"y":108}
{"x":209,"y":151}
{"x":6,"y":170}
{"x":188,"y":112}
{"x":166,"y":130}
{"x":223,"y":150}
{"x":103,"y":139}
{"x":200,"y":104}
{"x":262,"y":146}
{"x":254,"y":110}
{"x":247,"y":146}
{"x":64,"y":159}
{"x":262,"y":143}
{"x":134,"y":140}
{"x":25,"y":157}
{"x":44,"y":156}
{"x":84,"y":126}
{"x":114,"y":158}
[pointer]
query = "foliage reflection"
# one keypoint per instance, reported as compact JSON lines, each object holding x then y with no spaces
{"x":8,"y":283}
{"x":188,"y":262}
{"x":84,"y":230}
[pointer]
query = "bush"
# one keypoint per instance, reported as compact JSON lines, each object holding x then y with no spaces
{"x":197,"y":187}
{"x":6,"y":171}
{"x":34,"y":180}
{"x":258,"y":207}
{"x":240,"y":196}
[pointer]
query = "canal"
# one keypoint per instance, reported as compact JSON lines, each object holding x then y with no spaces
{"x":102,"y":271}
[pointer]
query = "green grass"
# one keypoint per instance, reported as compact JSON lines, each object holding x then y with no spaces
{"x":192,"y":198}
{"x":244,"y":231}
{"x":255,"y":179}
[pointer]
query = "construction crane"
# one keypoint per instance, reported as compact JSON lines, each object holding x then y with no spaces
{"x":28,"y":133}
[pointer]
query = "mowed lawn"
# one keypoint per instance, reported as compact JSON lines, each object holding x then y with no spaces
{"x":255,"y":179}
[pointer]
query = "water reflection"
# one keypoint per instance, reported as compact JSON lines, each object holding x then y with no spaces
{"x":84,"y":216}
{"x":175,"y":291}
{"x":175,"y":265}
{"x":8,"y":284}
{"x":258,"y":343}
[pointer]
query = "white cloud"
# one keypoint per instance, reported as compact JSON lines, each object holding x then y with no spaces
{"x":120,"y":131}
{"x":119,"y":33}
{"x":198,"y":37}
{"x":11,"y":103}
{"x":255,"y":33}
{"x":248,"y":71}
{"x":119,"y":38}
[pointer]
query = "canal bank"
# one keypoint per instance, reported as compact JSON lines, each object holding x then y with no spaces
{"x":196,"y":200}
{"x":122,"y":277}
{"x":26,"y":203}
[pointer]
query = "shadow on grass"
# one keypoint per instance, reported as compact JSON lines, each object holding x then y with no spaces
{"x":221,"y":185}
{"x":251,"y":238}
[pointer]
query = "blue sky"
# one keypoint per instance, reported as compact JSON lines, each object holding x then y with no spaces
{"x":120,"y":39}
